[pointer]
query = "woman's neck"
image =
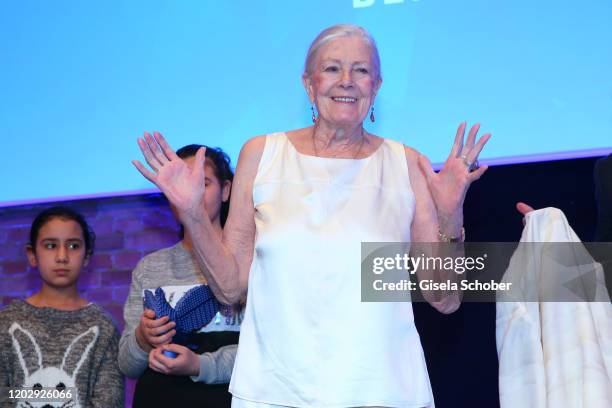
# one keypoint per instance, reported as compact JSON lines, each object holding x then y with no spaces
{"x":341,"y":142}
{"x":330,"y":136}
{"x":57,"y":298}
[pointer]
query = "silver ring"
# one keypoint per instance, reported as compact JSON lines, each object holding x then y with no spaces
{"x":465,"y":161}
{"x":474,"y":166}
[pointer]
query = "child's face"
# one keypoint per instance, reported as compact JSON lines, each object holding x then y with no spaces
{"x":215,"y":193}
{"x":60,"y":252}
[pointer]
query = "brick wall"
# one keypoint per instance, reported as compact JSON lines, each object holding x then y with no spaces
{"x":127,"y":228}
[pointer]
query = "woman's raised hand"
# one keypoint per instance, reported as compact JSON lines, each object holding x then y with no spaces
{"x":449,"y":186}
{"x":181,"y":184}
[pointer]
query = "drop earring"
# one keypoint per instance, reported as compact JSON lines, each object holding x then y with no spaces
{"x":314,"y":117}
{"x":372,"y":118}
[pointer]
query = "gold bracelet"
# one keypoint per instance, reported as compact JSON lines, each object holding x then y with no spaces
{"x":449,"y":238}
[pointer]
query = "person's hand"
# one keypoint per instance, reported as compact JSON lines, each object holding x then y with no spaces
{"x":449,"y":186}
{"x":185,"y":363}
{"x":182,"y":185}
{"x":524,"y":209}
{"x":152,"y":333}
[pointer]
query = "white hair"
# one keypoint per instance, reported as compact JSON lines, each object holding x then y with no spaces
{"x":341,"y":30}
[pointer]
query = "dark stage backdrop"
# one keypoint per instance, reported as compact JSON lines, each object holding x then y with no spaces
{"x":460,"y":348}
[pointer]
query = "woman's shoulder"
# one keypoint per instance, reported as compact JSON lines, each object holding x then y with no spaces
{"x":297,"y":137}
{"x":255,"y":145}
{"x":251,"y":153}
{"x":411,"y":156}
{"x":410,"y":152}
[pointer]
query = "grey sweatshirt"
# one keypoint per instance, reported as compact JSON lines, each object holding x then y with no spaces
{"x":54,"y":348}
{"x":166,"y":267}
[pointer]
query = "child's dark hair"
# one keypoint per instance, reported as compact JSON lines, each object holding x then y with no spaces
{"x":63,"y":213}
{"x":220,"y":163}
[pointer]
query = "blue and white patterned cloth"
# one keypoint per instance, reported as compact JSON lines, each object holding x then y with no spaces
{"x":194,"y":310}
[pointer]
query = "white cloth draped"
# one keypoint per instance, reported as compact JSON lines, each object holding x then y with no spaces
{"x":553,"y":354}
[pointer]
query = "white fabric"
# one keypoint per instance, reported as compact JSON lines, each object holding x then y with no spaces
{"x":552,"y":354}
{"x":307,"y":339}
{"x":242,"y":403}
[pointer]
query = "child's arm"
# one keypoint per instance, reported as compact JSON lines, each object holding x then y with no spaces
{"x":216,"y":367}
{"x":133,"y":360}
{"x":210,"y":368}
{"x":108,"y":389}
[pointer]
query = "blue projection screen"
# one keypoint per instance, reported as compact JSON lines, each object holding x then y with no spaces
{"x":81,"y":80}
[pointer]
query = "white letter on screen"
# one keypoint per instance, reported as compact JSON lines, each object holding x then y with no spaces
{"x":362,"y":3}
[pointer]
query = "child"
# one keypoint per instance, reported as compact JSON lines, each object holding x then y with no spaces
{"x":197,"y":376}
{"x":56,"y":339}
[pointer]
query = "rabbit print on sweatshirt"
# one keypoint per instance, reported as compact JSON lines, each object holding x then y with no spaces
{"x":60,"y":377}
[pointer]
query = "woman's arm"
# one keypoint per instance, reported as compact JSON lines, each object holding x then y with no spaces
{"x":439,"y":206}
{"x":424,"y":230}
{"x":225,"y":262}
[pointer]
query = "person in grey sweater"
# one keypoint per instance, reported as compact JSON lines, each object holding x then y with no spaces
{"x":198,"y":374}
{"x":173,"y":266}
{"x":55,"y":340}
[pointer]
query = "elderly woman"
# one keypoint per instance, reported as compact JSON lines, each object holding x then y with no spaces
{"x":303,"y":202}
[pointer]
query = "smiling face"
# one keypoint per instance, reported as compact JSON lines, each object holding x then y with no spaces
{"x":59,"y":252}
{"x":343,"y":81}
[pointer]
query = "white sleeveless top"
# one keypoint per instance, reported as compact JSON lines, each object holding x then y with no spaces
{"x":307,"y":340}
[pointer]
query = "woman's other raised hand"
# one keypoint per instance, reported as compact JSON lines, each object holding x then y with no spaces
{"x":449,"y":186}
{"x":181,"y":184}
